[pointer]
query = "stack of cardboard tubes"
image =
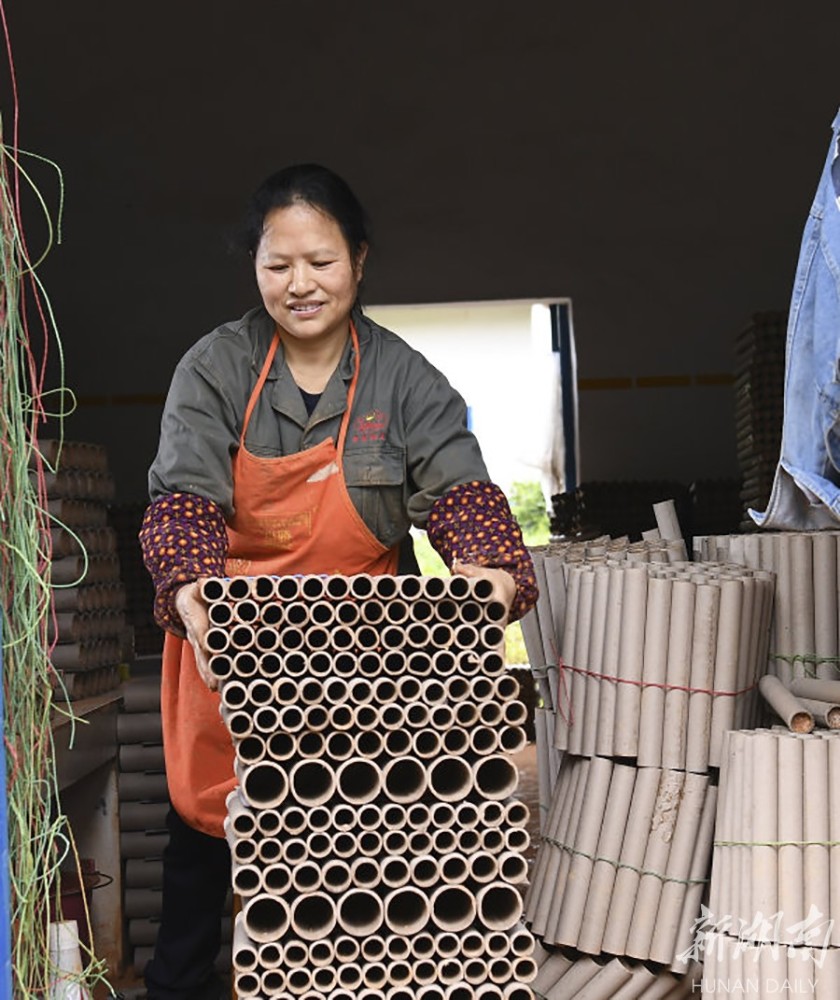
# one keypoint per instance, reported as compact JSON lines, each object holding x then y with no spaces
{"x":775,"y":886}
{"x":377,"y":843}
{"x":805,"y":630}
{"x":645,"y":661}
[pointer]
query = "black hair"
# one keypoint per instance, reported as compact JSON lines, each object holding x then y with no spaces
{"x":309,"y":184}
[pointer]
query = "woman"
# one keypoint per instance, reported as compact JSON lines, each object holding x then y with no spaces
{"x":302,"y":438}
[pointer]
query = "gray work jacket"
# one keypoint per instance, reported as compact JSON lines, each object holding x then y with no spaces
{"x":407,"y":442}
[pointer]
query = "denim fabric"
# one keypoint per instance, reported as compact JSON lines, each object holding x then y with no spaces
{"x":806,"y":489}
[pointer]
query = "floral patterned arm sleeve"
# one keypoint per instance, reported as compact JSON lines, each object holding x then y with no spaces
{"x":183,"y":537}
{"x":473,"y":523}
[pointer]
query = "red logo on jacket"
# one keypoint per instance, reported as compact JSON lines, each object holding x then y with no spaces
{"x":370,"y":427}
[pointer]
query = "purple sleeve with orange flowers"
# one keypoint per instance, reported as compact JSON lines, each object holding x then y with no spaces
{"x":473,"y":523}
{"x":183,"y":537}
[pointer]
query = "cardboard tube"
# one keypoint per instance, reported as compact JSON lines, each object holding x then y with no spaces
{"x":603,"y":874}
{"x":551,"y":857}
{"x":790,"y":830}
{"x":631,"y":652}
{"x":266,"y":918}
{"x":578,"y":681}
{"x":701,"y":676}
{"x":726,"y":667}
{"x":405,"y":779}
{"x":654,"y":671}
{"x":812,"y":687}
{"x":680,"y":641}
{"x":566,"y":915}
{"x":673,"y":892}
{"x":816,"y":797}
{"x":825,"y":714}
{"x":786,"y":705}
{"x":573,"y":980}
{"x":494,"y":777}
{"x":313,"y":782}
{"x":610,"y":656}
{"x":657,"y":852}
{"x":263,"y":785}
{"x":453,"y":907}
{"x":825,"y":564}
{"x":621,"y":912}
{"x":697,"y":873}
{"x":565,"y":706}
{"x":406,"y":910}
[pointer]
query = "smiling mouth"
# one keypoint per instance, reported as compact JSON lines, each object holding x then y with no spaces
{"x":305,"y":308}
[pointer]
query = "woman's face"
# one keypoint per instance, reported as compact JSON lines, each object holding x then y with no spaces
{"x":305,"y":272}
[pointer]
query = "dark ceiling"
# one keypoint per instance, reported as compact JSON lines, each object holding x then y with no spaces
{"x":652,"y":160}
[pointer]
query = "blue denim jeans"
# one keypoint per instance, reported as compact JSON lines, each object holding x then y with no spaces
{"x":806,"y":489}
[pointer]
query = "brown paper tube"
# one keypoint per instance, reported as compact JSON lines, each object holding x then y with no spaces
{"x":313,"y":782}
{"x":606,"y":983}
{"x":621,"y":912}
{"x":565,"y":917}
{"x":580,"y":658}
{"x":548,"y":909}
{"x":694,"y":894}
{"x":754,"y":601}
{"x":546,"y":864}
{"x":727,"y":664}
{"x":359,"y":912}
{"x":786,"y":705}
{"x":802,"y":595}
{"x":405,"y":779}
{"x":834,"y":836}
{"x":358,"y":780}
{"x":701,"y":676}
{"x":816,"y":799}
{"x":679,"y":674}
{"x":272,"y":614}
{"x":551,"y":858}
{"x":812,"y":687}
{"x":825,"y":603}
{"x":654,"y":672}
{"x":657,"y":852}
{"x":565,"y":711}
{"x":262,"y":786}
{"x":552,"y":966}
{"x":678,"y":868}
{"x":266,"y":918}
{"x":246,"y":612}
{"x":213,"y":588}
{"x":826,"y":715}
{"x":350,"y":977}
{"x":610,"y":655}
{"x":595,"y":660}
{"x":782,"y":618}
{"x":608,"y":848}
{"x":720,"y":894}
{"x":494,"y":777}
{"x":790,"y":830}
{"x":499,"y":906}
{"x":573,"y":980}
{"x":244,"y":954}
{"x":453,"y":907}
{"x":631,"y":651}
{"x":406,"y":910}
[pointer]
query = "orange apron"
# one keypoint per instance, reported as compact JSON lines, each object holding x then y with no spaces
{"x":293,"y":515}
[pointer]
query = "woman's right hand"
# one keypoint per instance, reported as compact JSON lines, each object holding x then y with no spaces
{"x":193,"y":612}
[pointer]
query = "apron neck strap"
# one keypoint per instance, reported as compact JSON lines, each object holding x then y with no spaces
{"x":266,"y":368}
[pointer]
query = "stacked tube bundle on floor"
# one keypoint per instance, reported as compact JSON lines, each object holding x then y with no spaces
{"x":645,"y":661}
{"x":377,"y":843}
{"x":805,"y":630}
{"x":774,"y":899}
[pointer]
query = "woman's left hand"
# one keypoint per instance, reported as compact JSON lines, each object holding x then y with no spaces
{"x":504,"y":585}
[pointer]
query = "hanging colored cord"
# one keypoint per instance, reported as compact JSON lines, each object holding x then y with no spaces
{"x":36,"y":839}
